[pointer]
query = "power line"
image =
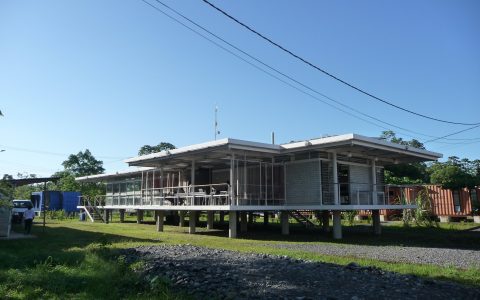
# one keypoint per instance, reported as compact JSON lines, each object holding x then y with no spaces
{"x":331,"y":75}
{"x":457,"y":132}
{"x":274,"y":69}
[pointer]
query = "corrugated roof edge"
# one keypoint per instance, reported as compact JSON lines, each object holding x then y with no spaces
{"x":351,"y":137}
{"x":107,"y":175}
{"x":206,"y":145}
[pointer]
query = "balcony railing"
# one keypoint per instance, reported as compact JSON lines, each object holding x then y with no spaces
{"x":257,"y":195}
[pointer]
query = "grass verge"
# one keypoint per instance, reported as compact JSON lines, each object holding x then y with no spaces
{"x":80,"y":260}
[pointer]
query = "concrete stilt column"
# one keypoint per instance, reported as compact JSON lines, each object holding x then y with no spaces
{"x":181,"y":222}
{"x":232,"y":224}
{"x":445,"y":219}
{"x":222,"y":217}
{"x":284,"y":222}
{"x":337,"y":225}
{"x":265,"y":217}
{"x":326,"y":221}
{"x":139,"y":216}
{"x":122,"y":215}
{"x":192,"y":220}
{"x":250,"y":218}
{"x":107,"y":216}
{"x":243,"y":221}
{"x":159,"y":216}
{"x":377,"y":228}
{"x":210,"y":220}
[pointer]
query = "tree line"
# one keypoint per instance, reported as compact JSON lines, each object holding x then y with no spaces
{"x":76,"y":165}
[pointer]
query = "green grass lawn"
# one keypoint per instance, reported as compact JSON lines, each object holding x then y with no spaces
{"x":80,"y":260}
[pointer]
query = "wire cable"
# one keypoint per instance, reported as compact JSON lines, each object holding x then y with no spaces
{"x":457,"y":132}
{"x":331,"y":75}
{"x":275,"y":70}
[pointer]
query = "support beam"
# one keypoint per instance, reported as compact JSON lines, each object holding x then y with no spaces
{"x":374,"y":183}
{"x":337,"y":225}
{"x":222,"y":217}
{"x":192,"y":221}
{"x":250,"y":218}
{"x":122,"y":215}
{"x":377,"y":228}
{"x":232,"y":224}
{"x":139,"y":216}
{"x":284,"y":222}
{"x":159,"y":216}
{"x":243,"y":221}
{"x":107,"y":216}
{"x":210,"y":220}
{"x":181,"y":222}
{"x":325,"y":221}
{"x":265,"y":217}
{"x":336,"y":187}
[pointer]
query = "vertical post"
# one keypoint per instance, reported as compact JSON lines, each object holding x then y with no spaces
{"x":182,"y":218}
{"x":232,"y":175}
{"x":265,"y":218}
{"x":243,"y":221}
{"x":336,"y":188}
{"x":107,"y":216}
{"x":122,"y":215}
{"x":284,"y":221}
{"x":210,"y":219}
{"x":250,"y":218}
{"x":337,"y":225}
{"x":139,"y":216}
{"x":159,"y":216}
{"x":326,"y":221}
{"x":44,"y":207}
{"x":232,"y":224}
{"x":222,"y":216}
{"x":374,"y":183}
{"x":191,"y":221}
{"x":273,"y":189}
{"x":377,"y":228}
{"x":244,"y":176}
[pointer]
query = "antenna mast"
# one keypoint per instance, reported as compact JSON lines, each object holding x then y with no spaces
{"x":216,"y":123}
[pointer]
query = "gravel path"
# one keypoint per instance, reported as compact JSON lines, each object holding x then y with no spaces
{"x":418,"y":255}
{"x":220,"y":274}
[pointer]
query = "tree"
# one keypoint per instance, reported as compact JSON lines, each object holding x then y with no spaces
{"x":6,"y":188}
{"x":147,"y":149}
{"x":391,"y":136}
{"x":455,"y":173}
{"x":83,"y":164}
{"x":24,"y":191}
{"x":412,"y":173}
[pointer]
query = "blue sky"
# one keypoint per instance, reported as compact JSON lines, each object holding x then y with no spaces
{"x":112,"y":76}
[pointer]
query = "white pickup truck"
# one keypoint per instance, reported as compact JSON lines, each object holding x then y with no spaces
{"x":19,"y":207}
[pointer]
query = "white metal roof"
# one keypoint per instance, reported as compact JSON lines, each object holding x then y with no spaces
{"x":120,"y":174}
{"x":346,"y":142}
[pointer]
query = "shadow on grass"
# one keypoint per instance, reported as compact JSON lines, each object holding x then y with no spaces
{"x":361,"y":235}
{"x":56,"y":242}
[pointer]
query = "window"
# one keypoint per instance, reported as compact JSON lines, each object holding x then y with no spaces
{"x":456,"y":201}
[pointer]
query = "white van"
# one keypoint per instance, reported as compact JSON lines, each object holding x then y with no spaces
{"x":19,"y":207}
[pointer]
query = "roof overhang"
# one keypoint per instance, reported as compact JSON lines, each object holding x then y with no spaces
{"x":222,"y":150}
{"x":134,"y":172}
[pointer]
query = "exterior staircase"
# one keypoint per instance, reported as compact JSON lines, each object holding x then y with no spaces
{"x":91,"y":210}
{"x":299,"y":216}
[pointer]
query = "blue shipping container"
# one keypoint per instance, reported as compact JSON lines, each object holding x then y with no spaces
{"x":54,"y":200}
{"x":70,"y":201}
